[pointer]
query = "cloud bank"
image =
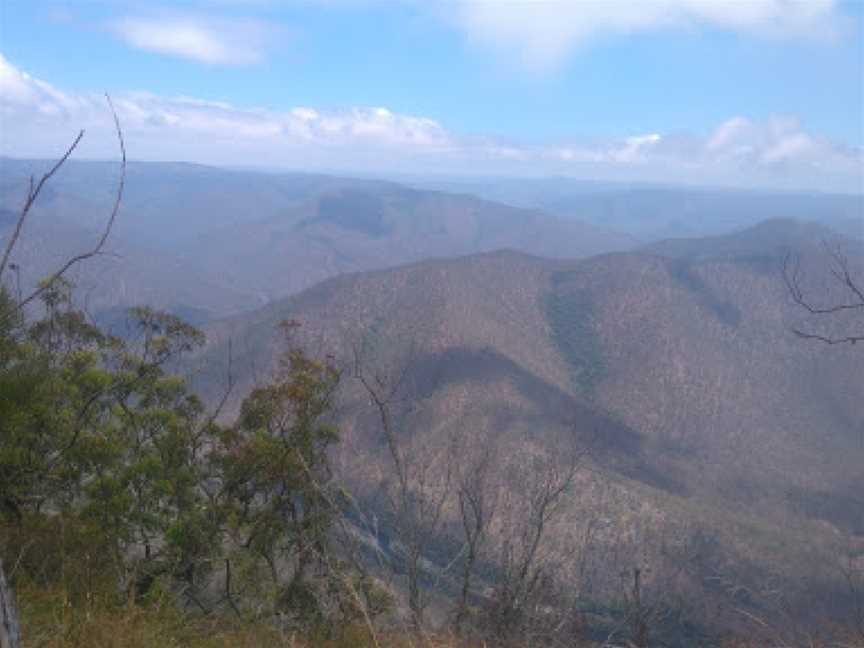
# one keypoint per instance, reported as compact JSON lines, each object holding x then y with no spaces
{"x":542,"y":33}
{"x":39,"y":119}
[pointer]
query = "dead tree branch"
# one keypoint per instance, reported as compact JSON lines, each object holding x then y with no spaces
{"x":854,"y":301}
{"x":33,"y":194}
{"x":423,"y":477}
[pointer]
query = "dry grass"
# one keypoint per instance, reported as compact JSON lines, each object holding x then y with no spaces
{"x":50,"y":620}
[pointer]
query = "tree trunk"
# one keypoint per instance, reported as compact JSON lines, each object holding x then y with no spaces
{"x":9,"y":637}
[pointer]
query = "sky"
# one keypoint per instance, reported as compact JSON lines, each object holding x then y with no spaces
{"x":745,"y":93}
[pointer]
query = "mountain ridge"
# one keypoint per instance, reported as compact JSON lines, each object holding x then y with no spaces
{"x":706,"y":415}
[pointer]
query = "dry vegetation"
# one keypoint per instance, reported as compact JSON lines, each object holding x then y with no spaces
{"x":639,"y":473}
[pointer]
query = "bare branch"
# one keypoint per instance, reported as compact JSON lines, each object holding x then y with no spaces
{"x":32,"y":194}
{"x":792,"y":276}
{"x":108,"y":226}
{"x":850,"y":339}
{"x":383,"y":404}
{"x":229,"y":387}
{"x":841,"y":272}
{"x":423,"y":481}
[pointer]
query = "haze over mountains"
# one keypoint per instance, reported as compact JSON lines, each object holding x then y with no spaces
{"x":222,"y":241}
{"x":264,"y":236}
{"x":500,"y":323}
{"x":656,"y":211}
{"x":673,"y":359}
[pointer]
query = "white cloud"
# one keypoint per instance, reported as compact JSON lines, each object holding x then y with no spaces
{"x":739,"y":151}
{"x":157,"y":126}
{"x":240,"y":42}
{"x":19,"y":89}
{"x":732,"y":137}
{"x":541,"y":33}
{"x":374,"y":127}
{"x":635,"y":148}
{"x":776,"y":142}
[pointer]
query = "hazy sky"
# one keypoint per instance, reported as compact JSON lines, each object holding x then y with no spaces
{"x":735,"y":92}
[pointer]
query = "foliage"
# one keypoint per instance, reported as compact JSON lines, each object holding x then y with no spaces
{"x":96,"y":433}
{"x":276,"y":496}
{"x":118,"y":489}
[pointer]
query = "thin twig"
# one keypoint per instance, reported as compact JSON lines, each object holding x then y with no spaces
{"x":32,"y":194}
{"x":841,"y":273}
{"x":108,"y":226}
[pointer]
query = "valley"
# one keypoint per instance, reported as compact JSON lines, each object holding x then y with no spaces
{"x":656,"y":392}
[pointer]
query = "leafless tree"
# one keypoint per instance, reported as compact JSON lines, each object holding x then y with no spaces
{"x":850,"y":286}
{"x":640,"y":614}
{"x":539,"y":484}
{"x":423,"y":473}
{"x":477,"y":496}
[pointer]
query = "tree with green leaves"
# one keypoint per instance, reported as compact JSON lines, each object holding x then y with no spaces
{"x":277,"y":484}
{"x":116,"y":483}
{"x":97,"y":432}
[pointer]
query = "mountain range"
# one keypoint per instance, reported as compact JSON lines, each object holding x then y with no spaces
{"x":708,"y":416}
{"x":717,"y":439}
{"x":654,"y":212}
{"x":232,"y":240}
{"x":255,"y":237}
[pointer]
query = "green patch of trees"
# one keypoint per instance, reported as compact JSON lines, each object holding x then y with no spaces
{"x":115,"y":482}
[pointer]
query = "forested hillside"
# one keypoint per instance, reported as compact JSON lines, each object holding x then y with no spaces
{"x":651,"y":446}
{"x":679,"y":364}
{"x":432,"y":324}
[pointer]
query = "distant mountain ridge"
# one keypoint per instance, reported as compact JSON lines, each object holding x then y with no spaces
{"x":125,"y":274}
{"x":353,"y":229}
{"x":166,"y":204}
{"x":769,"y":240}
{"x":265,"y":236}
{"x":657,"y":212}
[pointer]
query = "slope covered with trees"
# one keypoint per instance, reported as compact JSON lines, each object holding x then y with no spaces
{"x":636,"y":447}
{"x":679,"y":368}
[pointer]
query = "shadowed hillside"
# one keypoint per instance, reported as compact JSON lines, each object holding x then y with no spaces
{"x":705,"y":410}
{"x":347,"y":230}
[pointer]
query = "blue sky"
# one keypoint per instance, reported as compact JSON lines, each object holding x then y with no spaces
{"x":732,"y":92}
